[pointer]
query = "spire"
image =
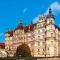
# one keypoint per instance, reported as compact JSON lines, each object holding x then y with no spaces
{"x":50,"y":11}
{"x":50,"y":15}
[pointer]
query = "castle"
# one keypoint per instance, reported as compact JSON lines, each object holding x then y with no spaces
{"x":43,"y":37}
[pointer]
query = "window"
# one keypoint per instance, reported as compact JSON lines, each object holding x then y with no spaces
{"x":38,"y":51}
{"x":43,"y":36}
{"x":48,"y":34}
{"x":43,"y":43}
{"x":43,"y":49}
{"x":38,"y":37}
{"x":48,"y":48}
{"x":43,"y":52}
{"x":41,"y":30}
{"x":51,"y":22}
{"x":7,"y":47}
{"x":42,"y":19}
{"x":51,"y":42}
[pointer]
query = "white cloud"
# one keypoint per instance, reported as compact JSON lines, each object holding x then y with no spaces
{"x":24,"y":10}
{"x":36,"y":19}
{"x":55,"y":6}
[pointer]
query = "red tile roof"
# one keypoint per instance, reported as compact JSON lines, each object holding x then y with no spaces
{"x":2,"y":45}
{"x":26,"y":29}
{"x":29,"y":28}
{"x":10,"y":32}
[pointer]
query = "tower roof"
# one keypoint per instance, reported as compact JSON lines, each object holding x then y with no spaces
{"x":20,"y":25}
{"x":50,"y":15}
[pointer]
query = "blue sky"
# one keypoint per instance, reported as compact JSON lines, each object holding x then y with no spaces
{"x":11,"y":11}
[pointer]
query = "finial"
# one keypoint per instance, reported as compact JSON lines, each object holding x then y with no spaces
{"x":50,"y":11}
{"x":50,"y":15}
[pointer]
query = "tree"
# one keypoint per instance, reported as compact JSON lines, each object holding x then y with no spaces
{"x":23,"y":50}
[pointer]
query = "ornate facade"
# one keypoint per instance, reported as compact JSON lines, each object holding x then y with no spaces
{"x":43,"y":37}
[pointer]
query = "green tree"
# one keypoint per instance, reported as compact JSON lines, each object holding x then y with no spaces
{"x":23,"y":50}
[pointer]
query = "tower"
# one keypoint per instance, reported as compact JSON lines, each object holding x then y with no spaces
{"x":51,"y":42}
{"x":50,"y":17}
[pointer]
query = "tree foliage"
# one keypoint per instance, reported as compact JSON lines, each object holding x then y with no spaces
{"x":23,"y":50}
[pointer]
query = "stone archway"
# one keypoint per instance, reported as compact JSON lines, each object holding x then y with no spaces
{"x":23,"y":50}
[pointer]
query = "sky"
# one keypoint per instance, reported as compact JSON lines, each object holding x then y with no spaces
{"x":12,"y":11}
